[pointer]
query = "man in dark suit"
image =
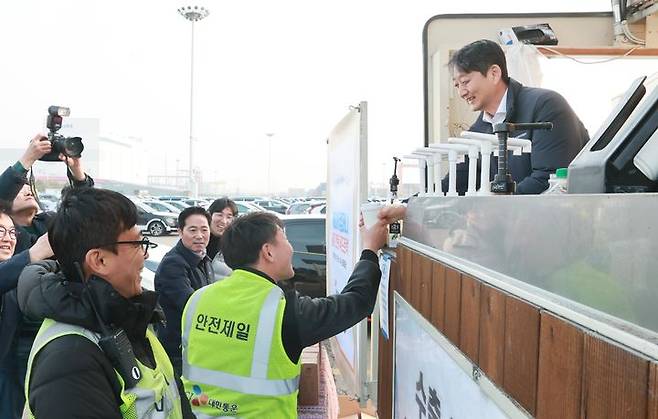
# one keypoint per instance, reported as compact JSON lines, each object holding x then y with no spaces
{"x":183,"y":270}
{"x":479,"y":71}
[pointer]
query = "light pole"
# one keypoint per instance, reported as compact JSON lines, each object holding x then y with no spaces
{"x":269,"y":162}
{"x":193,"y":14}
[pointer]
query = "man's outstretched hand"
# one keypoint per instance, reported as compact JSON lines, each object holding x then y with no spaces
{"x":374,"y":238}
{"x":392,"y":213}
{"x":75,"y":165}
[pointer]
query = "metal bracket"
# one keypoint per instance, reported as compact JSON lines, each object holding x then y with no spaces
{"x":476,"y":374}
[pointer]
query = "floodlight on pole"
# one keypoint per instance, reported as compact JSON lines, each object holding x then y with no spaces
{"x":192,"y":14}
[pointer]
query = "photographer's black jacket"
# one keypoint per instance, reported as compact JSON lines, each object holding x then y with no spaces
{"x":71,"y":376}
{"x":11,"y":182}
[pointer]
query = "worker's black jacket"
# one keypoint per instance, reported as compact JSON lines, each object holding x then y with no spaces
{"x":71,"y":377}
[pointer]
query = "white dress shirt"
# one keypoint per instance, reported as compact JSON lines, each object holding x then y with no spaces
{"x":500,"y":114}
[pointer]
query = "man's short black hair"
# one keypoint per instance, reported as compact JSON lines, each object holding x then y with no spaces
{"x":219,"y":204}
{"x":244,"y":237}
{"x":479,"y":56}
{"x":5,"y":207}
{"x":182,"y":217}
{"x":88,"y":218}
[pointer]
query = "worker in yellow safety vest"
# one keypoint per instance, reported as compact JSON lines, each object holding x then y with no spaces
{"x":242,"y":337}
{"x":95,"y":355}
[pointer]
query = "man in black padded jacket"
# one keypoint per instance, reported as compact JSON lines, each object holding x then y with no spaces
{"x":95,"y":286}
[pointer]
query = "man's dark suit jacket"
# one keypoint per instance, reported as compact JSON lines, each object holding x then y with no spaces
{"x":179,"y":274}
{"x":551,"y":150}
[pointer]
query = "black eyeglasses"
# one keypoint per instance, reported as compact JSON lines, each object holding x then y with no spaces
{"x":145,"y":244}
{"x":11,"y":232}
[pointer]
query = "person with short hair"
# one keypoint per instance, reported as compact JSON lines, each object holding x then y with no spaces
{"x":16,"y":330}
{"x":92,"y":301}
{"x":184,"y":269}
{"x":243,"y":336}
{"x":222,"y":213}
{"x":479,"y":72}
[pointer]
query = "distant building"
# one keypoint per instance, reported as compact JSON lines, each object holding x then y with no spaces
{"x":117,"y":163}
{"x":87,"y":128}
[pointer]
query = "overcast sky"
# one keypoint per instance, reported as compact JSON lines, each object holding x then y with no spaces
{"x":287,"y":67}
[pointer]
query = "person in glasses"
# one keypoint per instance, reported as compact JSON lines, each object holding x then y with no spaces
{"x":17,"y":331}
{"x":92,"y":292}
{"x":11,"y":266}
{"x":184,"y":269}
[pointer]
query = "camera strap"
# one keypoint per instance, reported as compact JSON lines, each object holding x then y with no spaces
{"x":33,"y":185}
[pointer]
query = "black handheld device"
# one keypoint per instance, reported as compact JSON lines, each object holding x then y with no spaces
{"x":119,"y":351}
{"x":116,"y":345}
{"x":394,"y":228}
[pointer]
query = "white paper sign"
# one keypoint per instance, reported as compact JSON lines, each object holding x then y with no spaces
{"x":429,"y":381}
{"x":385,"y":267}
{"x":347,"y":171}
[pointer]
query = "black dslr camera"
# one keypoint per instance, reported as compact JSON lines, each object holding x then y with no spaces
{"x":68,"y":146}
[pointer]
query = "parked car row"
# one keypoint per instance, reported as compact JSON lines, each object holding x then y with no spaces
{"x":155,"y":221}
{"x":189,"y":202}
{"x":307,"y":236}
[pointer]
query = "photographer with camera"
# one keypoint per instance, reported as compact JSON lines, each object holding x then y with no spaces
{"x":17,"y":332}
{"x":14,"y":179}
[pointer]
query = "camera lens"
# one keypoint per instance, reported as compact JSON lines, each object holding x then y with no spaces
{"x":72,"y":146}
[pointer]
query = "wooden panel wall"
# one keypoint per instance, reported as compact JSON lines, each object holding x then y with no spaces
{"x":437,"y":300}
{"x":652,"y":402}
{"x":492,"y":334}
{"x":469,"y":319}
{"x":560,"y":369}
{"x":549,"y":366}
{"x":615,"y":381}
{"x":521,"y":352}
{"x":453,"y":305}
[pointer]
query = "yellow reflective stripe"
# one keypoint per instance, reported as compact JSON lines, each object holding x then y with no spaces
{"x":146,"y":406}
{"x":145,"y":403}
{"x":257,"y":383}
{"x":50,"y":330}
{"x":190,"y":310}
{"x":245,"y":385}
{"x":264,"y":333}
{"x":58,"y":329}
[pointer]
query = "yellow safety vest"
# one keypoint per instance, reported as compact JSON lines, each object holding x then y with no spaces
{"x":154,"y":397}
{"x":234,"y":362}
